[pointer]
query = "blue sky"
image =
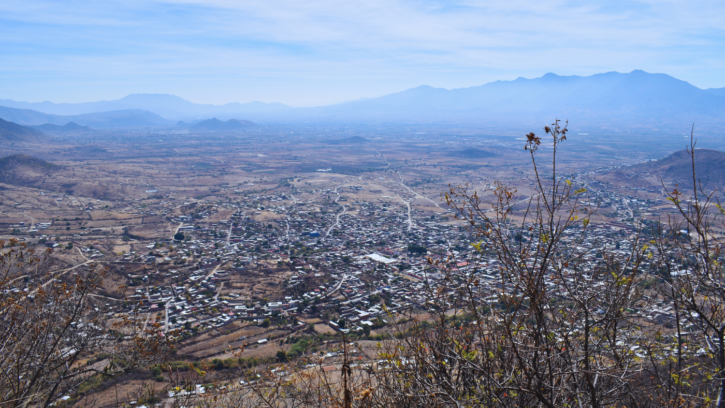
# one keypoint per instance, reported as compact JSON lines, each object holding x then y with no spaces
{"x":308,"y":53}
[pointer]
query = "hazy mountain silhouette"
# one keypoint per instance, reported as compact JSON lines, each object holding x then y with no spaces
{"x":12,"y":132}
{"x":68,"y":127}
{"x":622,"y":98}
{"x":215,"y":124}
{"x":28,"y":117}
{"x":168,"y":106}
{"x":132,"y":118}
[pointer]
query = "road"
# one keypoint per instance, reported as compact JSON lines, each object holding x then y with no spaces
{"x":166,"y":317}
{"x":286,"y":220}
{"x":148,"y":316}
{"x":286,"y":213}
{"x":32,"y":221}
{"x":384,"y":158}
{"x":410,"y":218}
{"x":59,"y":272}
{"x":337,"y":287}
{"x":216,"y":296}
{"x":64,"y":271}
{"x":213,"y":271}
{"x":81,"y":252}
{"x":337,"y":217}
{"x":177,"y":229}
{"x":229,"y":235}
{"x":414,"y":192}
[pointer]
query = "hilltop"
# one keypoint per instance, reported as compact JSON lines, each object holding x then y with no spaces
{"x":68,"y":127}
{"x":12,"y":132}
{"x":473,"y":153}
{"x":21,"y":169}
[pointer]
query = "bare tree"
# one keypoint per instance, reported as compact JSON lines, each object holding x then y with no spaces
{"x":690,"y":253}
{"x":539,"y":320}
{"x":50,"y":326}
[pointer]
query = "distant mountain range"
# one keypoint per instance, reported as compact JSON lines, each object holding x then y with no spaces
{"x":12,"y":132}
{"x":131,"y":118}
{"x":609,"y":100}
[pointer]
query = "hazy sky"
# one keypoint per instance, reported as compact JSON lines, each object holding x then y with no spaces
{"x":306,"y":53}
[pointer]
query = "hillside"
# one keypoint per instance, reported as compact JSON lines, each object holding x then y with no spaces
{"x":677,"y":168}
{"x":68,"y":127}
{"x":25,"y":170}
{"x":218,"y":125}
{"x":12,"y":132}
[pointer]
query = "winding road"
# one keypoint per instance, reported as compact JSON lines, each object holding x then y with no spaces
{"x":337,"y":217}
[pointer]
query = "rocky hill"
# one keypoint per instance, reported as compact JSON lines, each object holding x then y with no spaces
{"x":20,"y":169}
{"x":677,"y":168}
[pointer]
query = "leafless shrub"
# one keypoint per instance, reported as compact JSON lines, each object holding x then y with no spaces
{"x":51,"y":327}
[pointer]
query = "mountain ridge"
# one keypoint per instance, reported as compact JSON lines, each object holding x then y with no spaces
{"x":607,"y":99}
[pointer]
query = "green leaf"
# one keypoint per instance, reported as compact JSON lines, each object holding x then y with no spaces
{"x":581,"y":190}
{"x":477,"y":245}
{"x":568,"y":182}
